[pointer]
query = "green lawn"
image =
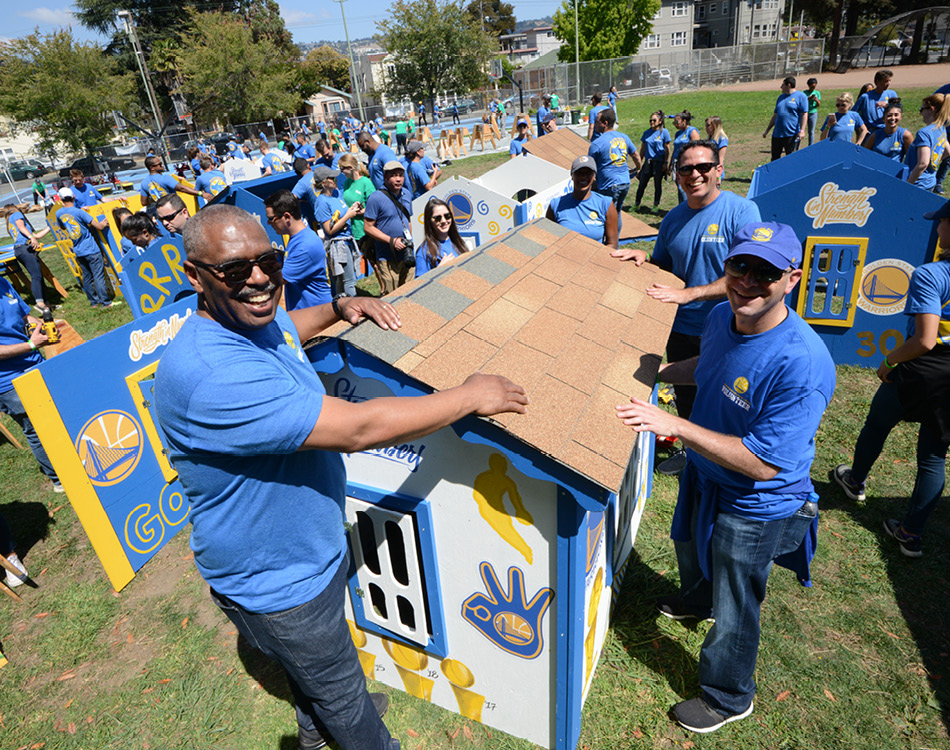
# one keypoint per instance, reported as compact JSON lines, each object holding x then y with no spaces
{"x":859,"y":660}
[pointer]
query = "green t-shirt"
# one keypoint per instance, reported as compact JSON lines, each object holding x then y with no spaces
{"x":401,"y":127}
{"x":353,"y":191}
{"x":555,"y":101}
{"x":814,"y":97}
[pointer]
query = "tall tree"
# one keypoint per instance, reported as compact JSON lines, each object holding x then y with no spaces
{"x":433,"y":46}
{"x":608,"y":28}
{"x":323,"y":66}
{"x":498,"y":16}
{"x":227,"y":75}
{"x":71,"y":110}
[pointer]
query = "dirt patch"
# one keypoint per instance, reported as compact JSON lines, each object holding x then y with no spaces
{"x":905,"y":77}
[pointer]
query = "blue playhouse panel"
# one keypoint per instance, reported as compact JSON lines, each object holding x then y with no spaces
{"x":156,"y":278}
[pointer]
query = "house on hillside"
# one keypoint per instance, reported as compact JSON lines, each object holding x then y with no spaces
{"x":328,"y":104}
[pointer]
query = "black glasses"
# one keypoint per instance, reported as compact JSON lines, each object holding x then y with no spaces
{"x":168,"y":217}
{"x":764,"y":273}
{"x":703,"y":168}
{"x":441,"y":217}
{"x":239,"y":271}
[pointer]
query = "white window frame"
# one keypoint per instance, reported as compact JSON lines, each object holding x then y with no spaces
{"x":679,"y":9}
{"x":652,"y":41}
{"x":678,"y":39}
{"x":713,"y":8}
{"x":659,"y":13}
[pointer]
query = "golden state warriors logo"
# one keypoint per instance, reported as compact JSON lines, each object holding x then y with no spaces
{"x":109,"y":446}
{"x":741,"y":385}
{"x":73,"y":230}
{"x":461,"y":206}
{"x":289,"y":340}
{"x":762,"y":234}
{"x":884,"y":286}
{"x":217,"y":185}
{"x":712,"y":229}
{"x":593,"y":214}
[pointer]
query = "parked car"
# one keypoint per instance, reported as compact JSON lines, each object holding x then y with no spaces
{"x":465,"y":105}
{"x":220,"y":142}
{"x":99,"y":165}
{"x":25,"y":169}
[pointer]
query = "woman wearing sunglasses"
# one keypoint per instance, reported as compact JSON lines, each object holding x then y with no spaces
{"x":890,"y":139}
{"x":654,"y":151}
{"x":442,"y":238}
{"x":930,"y":142}
{"x":843,"y":124}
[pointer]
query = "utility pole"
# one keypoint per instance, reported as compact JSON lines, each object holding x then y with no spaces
{"x":143,"y":69}
{"x":353,"y":82}
{"x":577,"y":57}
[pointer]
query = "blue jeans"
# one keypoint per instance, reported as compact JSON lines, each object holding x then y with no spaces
{"x":10,"y":404}
{"x":883,"y":416}
{"x":742,"y":553}
{"x":94,"y":278}
{"x":812,"y":124}
{"x":618,"y":194}
{"x":312,"y":643}
{"x":31,"y":262}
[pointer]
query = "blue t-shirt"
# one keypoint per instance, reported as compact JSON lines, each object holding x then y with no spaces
{"x":196,"y":166}
{"x":612,"y":99}
{"x":12,"y":312}
{"x":75,"y":222}
{"x":610,"y":154}
{"x":211,"y":181}
{"x":932,"y":137}
{"x":388,"y":219}
{"x":891,"y":145}
{"x":306,"y":151}
{"x":86,"y":195}
{"x":417,"y":178}
{"x":305,"y":271}
{"x":18,"y":239}
{"x":930,"y":293}
{"x":516,"y":148}
{"x":843,"y":129}
{"x":870,"y":106}
{"x":681,"y":138}
{"x":789,"y":109}
{"x":158,"y":184}
{"x":235,"y":151}
{"x":542,"y":113}
{"x":425,"y":262}
{"x":693,"y":245}
{"x":722,"y":142}
{"x":771,"y":390}
{"x":267,"y":519}
{"x":329,"y":206}
{"x":273,"y":161}
{"x":592,"y":117}
{"x":306,"y":193}
{"x":655,"y":140}
{"x":381,"y":155}
{"x":587,"y":217}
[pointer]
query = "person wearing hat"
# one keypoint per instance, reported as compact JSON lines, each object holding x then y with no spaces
{"x":549,"y":123}
{"x":334,"y":216}
{"x":584,"y":211}
{"x":419,"y":180}
{"x":516,"y":148}
{"x":388,"y":220}
{"x":915,"y":387}
{"x":76,"y":222}
{"x":746,"y":499}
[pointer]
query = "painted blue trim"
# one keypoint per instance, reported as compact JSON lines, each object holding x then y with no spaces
{"x":521,"y":214}
{"x":326,"y":356}
{"x":611,"y":541}
{"x":435,"y":611}
{"x":569,"y":654}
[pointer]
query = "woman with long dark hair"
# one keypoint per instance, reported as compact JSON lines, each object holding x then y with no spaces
{"x":890,"y":139}
{"x":442,"y":238}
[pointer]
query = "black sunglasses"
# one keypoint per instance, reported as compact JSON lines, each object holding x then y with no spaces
{"x":239,"y":271}
{"x":764,"y":273}
{"x":168,"y":217}
{"x":703,"y":168}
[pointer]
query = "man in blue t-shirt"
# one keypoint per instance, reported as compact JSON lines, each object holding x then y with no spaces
{"x":693,"y":241}
{"x":516,"y":147}
{"x":84,"y":193}
{"x":76,"y":222}
{"x":543,"y":112}
{"x":746,"y":498}
{"x":610,"y":150}
{"x":379,"y":154}
{"x":306,"y":192}
{"x":416,"y":174}
{"x":871,"y":104}
{"x":388,"y":220}
{"x":159,"y":182}
{"x":211,"y":181}
{"x":305,"y":265}
{"x":789,"y":119}
{"x":271,"y":163}
{"x":256,"y":442}
{"x":595,"y":109}
{"x":305,"y":150}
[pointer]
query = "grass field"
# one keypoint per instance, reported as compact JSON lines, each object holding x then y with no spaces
{"x":859,"y":660}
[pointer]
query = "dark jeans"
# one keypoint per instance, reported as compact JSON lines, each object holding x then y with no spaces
{"x":651,"y":168}
{"x":883,"y":416}
{"x":788,"y":145}
{"x":28,"y":258}
{"x":618,"y":194}
{"x":742,"y":553}
{"x":400,"y":143}
{"x":10,"y":404}
{"x":312,"y":643}
{"x":94,"y":278}
{"x":682,"y":346}
{"x":812,"y":124}
{"x":455,"y":119}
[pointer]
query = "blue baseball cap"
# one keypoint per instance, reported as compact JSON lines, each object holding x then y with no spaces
{"x":772,"y":242}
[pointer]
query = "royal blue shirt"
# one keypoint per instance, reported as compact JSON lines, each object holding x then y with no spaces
{"x":86,"y":195}
{"x":932,"y":137}
{"x":417,"y":178}
{"x":388,"y":218}
{"x":329,"y":209}
{"x":542,"y":113}
{"x":381,"y":155}
{"x":891,"y":145}
{"x":610,"y":154}
{"x":516,"y":148}
{"x":306,"y":151}
{"x":843,"y":129}
{"x":158,"y":184}
{"x":15,"y":235}
{"x":425,"y":262}
{"x":592,"y":117}
{"x":267,"y":519}
{"x":789,"y":109}
{"x":306,"y":193}
{"x":655,"y":141}
{"x":870,"y":106}
{"x":929,"y":293}
{"x":587,"y":217}
{"x":305,"y":271}
{"x":693,"y":243}
{"x":211,"y":181}
{"x":75,"y":222}
{"x":681,"y":138}
{"x":235,"y":151}
{"x":273,"y":161}
{"x":12,"y":312}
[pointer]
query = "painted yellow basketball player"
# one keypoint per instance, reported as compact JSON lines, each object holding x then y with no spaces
{"x":490,"y":488}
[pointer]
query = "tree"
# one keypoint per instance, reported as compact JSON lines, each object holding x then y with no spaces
{"x":498,"y":16}
{"x":608,"y":28}
{"x":61,"y":89}
{"x":324,"y":66}
{"x":433,"y":46}
{"x":227,"y":75}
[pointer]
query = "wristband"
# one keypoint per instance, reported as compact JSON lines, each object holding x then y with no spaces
{"x":32,"y":345}
{"x":336,"y":308}
{"x":888,"y":364}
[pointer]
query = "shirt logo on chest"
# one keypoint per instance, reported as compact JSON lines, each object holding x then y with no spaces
{"x":735,"y":394}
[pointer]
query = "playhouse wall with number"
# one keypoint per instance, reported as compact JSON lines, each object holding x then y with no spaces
{"x":863,"y":232}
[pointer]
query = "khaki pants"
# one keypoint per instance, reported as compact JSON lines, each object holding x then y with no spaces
{"x":392,"y":275}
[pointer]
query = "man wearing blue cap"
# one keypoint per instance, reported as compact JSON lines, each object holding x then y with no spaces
{"x":516,"y":148}
{"x":764,"y":379}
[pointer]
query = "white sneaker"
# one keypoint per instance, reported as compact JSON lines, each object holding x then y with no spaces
{"x":16,"y":580}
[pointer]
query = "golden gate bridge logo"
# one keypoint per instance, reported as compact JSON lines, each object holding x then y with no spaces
{"x":884,"y":286}
{"x":109,"y":446}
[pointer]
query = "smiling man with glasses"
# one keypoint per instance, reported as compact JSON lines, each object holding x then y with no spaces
{"x":746,"y":499}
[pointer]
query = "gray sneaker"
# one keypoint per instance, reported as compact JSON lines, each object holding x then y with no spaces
{"x":698,"y":716}
{"x":909,"y":543}
{"x":673,"y":465}
{"x":842,"y":477}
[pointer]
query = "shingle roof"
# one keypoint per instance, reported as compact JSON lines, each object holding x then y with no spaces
{"x":552,"y":311}
{"x":561,"y":147}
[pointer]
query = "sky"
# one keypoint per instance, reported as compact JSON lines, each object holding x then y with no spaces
{"x":307,"y":20}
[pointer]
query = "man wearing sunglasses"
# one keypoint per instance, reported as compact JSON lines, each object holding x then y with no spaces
{"x":693,"y":241}
{"x":256,"y":442}
{"x":172,"y":213}
{"x":746,"y":499}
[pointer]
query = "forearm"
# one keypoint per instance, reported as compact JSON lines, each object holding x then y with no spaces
{"x":679,"y":373}
{"x":11,"y":351}
{"x":309,"y":321}
{"x":375,"y":232}
{"x":726,"y":450}
{"x":910,"y":349}
{"x":715,"y":290}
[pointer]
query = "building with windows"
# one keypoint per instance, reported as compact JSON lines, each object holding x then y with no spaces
{"x":725,"y":23}
{"x":525,"y":46}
